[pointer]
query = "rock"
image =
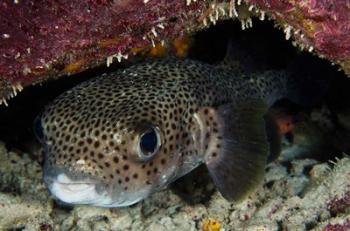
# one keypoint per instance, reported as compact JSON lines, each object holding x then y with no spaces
{"x":305,"y":194}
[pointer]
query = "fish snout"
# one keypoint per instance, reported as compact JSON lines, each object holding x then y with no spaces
{"x":78,"y":188}
{"x":73,"y":188}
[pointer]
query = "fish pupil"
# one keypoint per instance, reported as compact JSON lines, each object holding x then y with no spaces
{"x":149,"y":142}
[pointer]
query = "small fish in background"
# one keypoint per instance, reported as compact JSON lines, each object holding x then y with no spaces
{"x":320,"y":134}
{"x":301,"y":136}
{"x":113,"y":140}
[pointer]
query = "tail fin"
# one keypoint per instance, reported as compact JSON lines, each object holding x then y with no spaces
{"x":304,"y":81}
{"x":302,"y":88}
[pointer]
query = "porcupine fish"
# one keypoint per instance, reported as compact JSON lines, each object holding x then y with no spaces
{"x":113,"y":140}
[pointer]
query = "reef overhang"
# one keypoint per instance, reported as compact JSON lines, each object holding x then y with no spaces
{"x":41,"y":40}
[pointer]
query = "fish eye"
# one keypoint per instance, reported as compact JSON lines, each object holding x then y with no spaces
{"x":149,"y":143}
{"x":38,"y":128}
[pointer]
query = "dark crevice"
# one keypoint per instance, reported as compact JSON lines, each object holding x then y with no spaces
{"x":266,"y":43}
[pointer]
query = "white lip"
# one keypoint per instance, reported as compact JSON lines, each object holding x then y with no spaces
{"x":81,"y":192}
{"x":73,"y":192}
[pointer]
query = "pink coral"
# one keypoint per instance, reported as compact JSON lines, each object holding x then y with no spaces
{"x":338,"y":227}
{"x":339,"y":205}
{"x":322,"y":25}
{"x":44,"y":39}
{"x":40,"y":39}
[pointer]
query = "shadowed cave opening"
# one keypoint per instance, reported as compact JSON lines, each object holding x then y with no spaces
{"x":268,"y":46}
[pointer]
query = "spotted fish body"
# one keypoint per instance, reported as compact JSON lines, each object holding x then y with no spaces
{"x":114,"y":139}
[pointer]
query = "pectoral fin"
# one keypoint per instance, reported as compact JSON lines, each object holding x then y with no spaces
{"x":238,"y":146}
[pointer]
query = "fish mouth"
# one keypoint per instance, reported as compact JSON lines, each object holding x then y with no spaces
{"x":86,"y":192}
{"x":74,"y":189}
{"x":69,"y":191}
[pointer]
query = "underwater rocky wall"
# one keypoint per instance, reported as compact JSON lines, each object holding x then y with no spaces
{"x":40,"y":40}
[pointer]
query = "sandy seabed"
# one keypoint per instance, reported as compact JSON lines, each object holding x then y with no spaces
{"x":301,"y":194}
